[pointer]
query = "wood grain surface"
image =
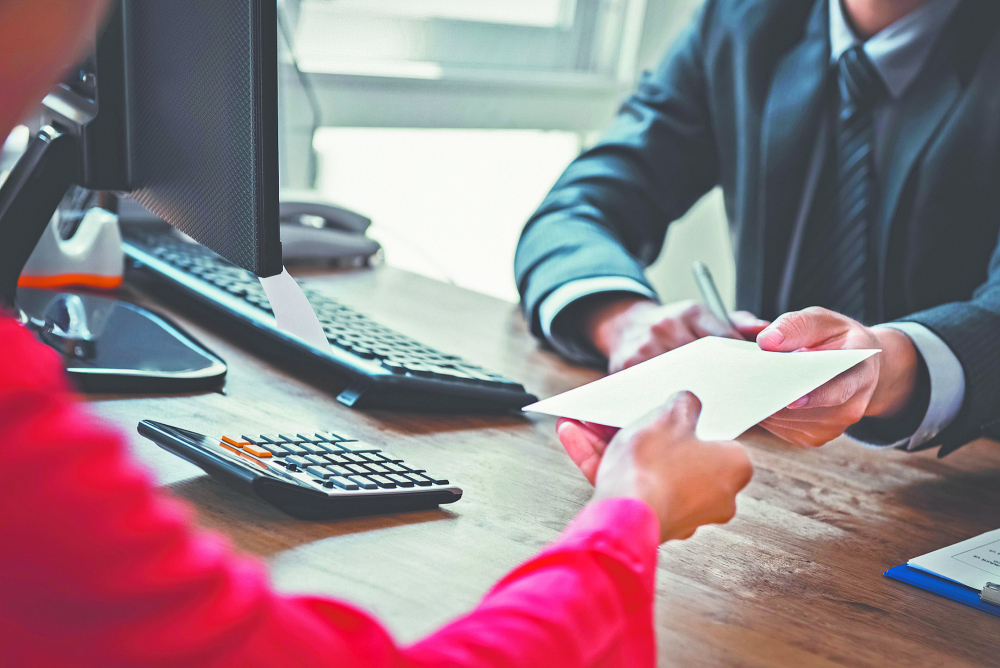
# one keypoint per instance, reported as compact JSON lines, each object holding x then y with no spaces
{"x":795,"y":580}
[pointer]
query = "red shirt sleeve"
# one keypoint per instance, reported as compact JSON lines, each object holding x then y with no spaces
{"x":99,"y":568}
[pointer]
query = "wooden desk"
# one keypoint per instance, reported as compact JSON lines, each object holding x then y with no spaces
{"x":794,"y":580}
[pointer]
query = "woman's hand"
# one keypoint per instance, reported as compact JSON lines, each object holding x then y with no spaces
{"x":659,"y":460}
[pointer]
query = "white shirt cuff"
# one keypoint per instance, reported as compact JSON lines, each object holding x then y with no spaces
{"x":947,"y":383}
{"x":571,"y":344}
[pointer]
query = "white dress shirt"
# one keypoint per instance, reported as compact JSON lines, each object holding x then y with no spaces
{"x":899,"y":53}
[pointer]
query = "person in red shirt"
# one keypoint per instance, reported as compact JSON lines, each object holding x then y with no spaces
{"x":100,"y":568}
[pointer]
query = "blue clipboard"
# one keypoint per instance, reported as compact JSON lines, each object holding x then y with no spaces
{"x":946,"y":588}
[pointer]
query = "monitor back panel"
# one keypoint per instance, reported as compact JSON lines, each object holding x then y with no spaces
{"x":202,"y":100}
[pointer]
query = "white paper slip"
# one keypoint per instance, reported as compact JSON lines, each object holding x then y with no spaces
{"x":738,"y":385}
{"x":972,"y":562}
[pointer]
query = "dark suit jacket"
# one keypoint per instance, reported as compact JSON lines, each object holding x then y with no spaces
{"x":738,"y":103}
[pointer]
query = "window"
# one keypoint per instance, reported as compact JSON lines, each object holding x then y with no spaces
{"x":448,"y":204}
{"x":467,"y":39}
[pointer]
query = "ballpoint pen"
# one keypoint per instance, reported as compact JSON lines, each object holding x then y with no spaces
{"x":713,"y":300}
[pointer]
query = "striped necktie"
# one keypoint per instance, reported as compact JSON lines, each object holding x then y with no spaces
{"x":835,"y":265}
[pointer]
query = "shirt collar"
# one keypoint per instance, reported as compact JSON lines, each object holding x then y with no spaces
{"x":900,"y":51}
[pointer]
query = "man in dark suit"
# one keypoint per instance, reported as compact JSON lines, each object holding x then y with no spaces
{"x":857,"y":143}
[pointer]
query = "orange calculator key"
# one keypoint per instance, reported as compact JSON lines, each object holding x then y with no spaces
{"x":229,"y":448}
{"x":235,"y":442}
{"x":254,"y":450}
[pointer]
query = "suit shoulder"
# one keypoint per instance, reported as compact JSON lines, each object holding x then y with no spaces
{"x":745,"y":17}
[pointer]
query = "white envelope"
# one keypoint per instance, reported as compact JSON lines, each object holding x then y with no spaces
{"x":738,"y":385}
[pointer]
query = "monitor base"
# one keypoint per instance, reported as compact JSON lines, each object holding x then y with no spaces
{"x":114,"y":347}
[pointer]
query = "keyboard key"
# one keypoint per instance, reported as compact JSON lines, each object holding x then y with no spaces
{"x":291,"y":439}
{"x":362,"y":482}
{"x":339,"y":470}
{"x":316,"y":459}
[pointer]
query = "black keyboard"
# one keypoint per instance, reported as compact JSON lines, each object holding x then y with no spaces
{"x":312,"y":476}
{"x":386,"y":369}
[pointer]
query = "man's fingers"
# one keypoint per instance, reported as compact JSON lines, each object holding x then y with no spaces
{"x":748,"y":324}
{"x":837,"y":392}
{"x":802,"y":329}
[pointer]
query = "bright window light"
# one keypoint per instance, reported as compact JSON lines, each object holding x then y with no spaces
{"x":541,"y":13}
{"x":449,"y":204}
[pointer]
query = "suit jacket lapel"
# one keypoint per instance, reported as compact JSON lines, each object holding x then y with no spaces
{"x":962,"y":46}
{"x":926,"y":109}
{"x":792,"y":113}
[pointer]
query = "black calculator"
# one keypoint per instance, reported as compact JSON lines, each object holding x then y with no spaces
{"x":311,"y":476}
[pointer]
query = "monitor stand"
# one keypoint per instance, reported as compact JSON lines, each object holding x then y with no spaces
{"x":109,"y":345}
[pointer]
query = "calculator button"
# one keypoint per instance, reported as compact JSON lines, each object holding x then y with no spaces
{"x":355,"y":469}
{"x":382,"y":481}
{"x":299,"y":461}
{"x":253,"y":440}
{"x":315,"y":459}
{"x":399,"y":480}
{"x":276,"y":450}
{"x":318,"y":472}
{"x":339,"y":470}
{"x":343,"y":483}
{"x":436,"y":481}
{"x":361,"y":448}
{"x":256,"y":451}
{"x":313,"y":448}
{"x":235,"y":442}
{"x":420,"y":482}
{"x":295,"y":449}
{"x":291,"y":439}
{"x":363,"y":483}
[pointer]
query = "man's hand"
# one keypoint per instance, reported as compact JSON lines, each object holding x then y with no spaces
{"x":631,"y":331}
{"x":881,"y":386}
{"x":687,"y":482}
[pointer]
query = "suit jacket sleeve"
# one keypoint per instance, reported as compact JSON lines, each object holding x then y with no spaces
{"x":972,"y":331}
{"x":608,"y":213}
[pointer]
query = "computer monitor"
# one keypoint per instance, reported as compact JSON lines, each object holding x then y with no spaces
{"x":176,"y":105}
